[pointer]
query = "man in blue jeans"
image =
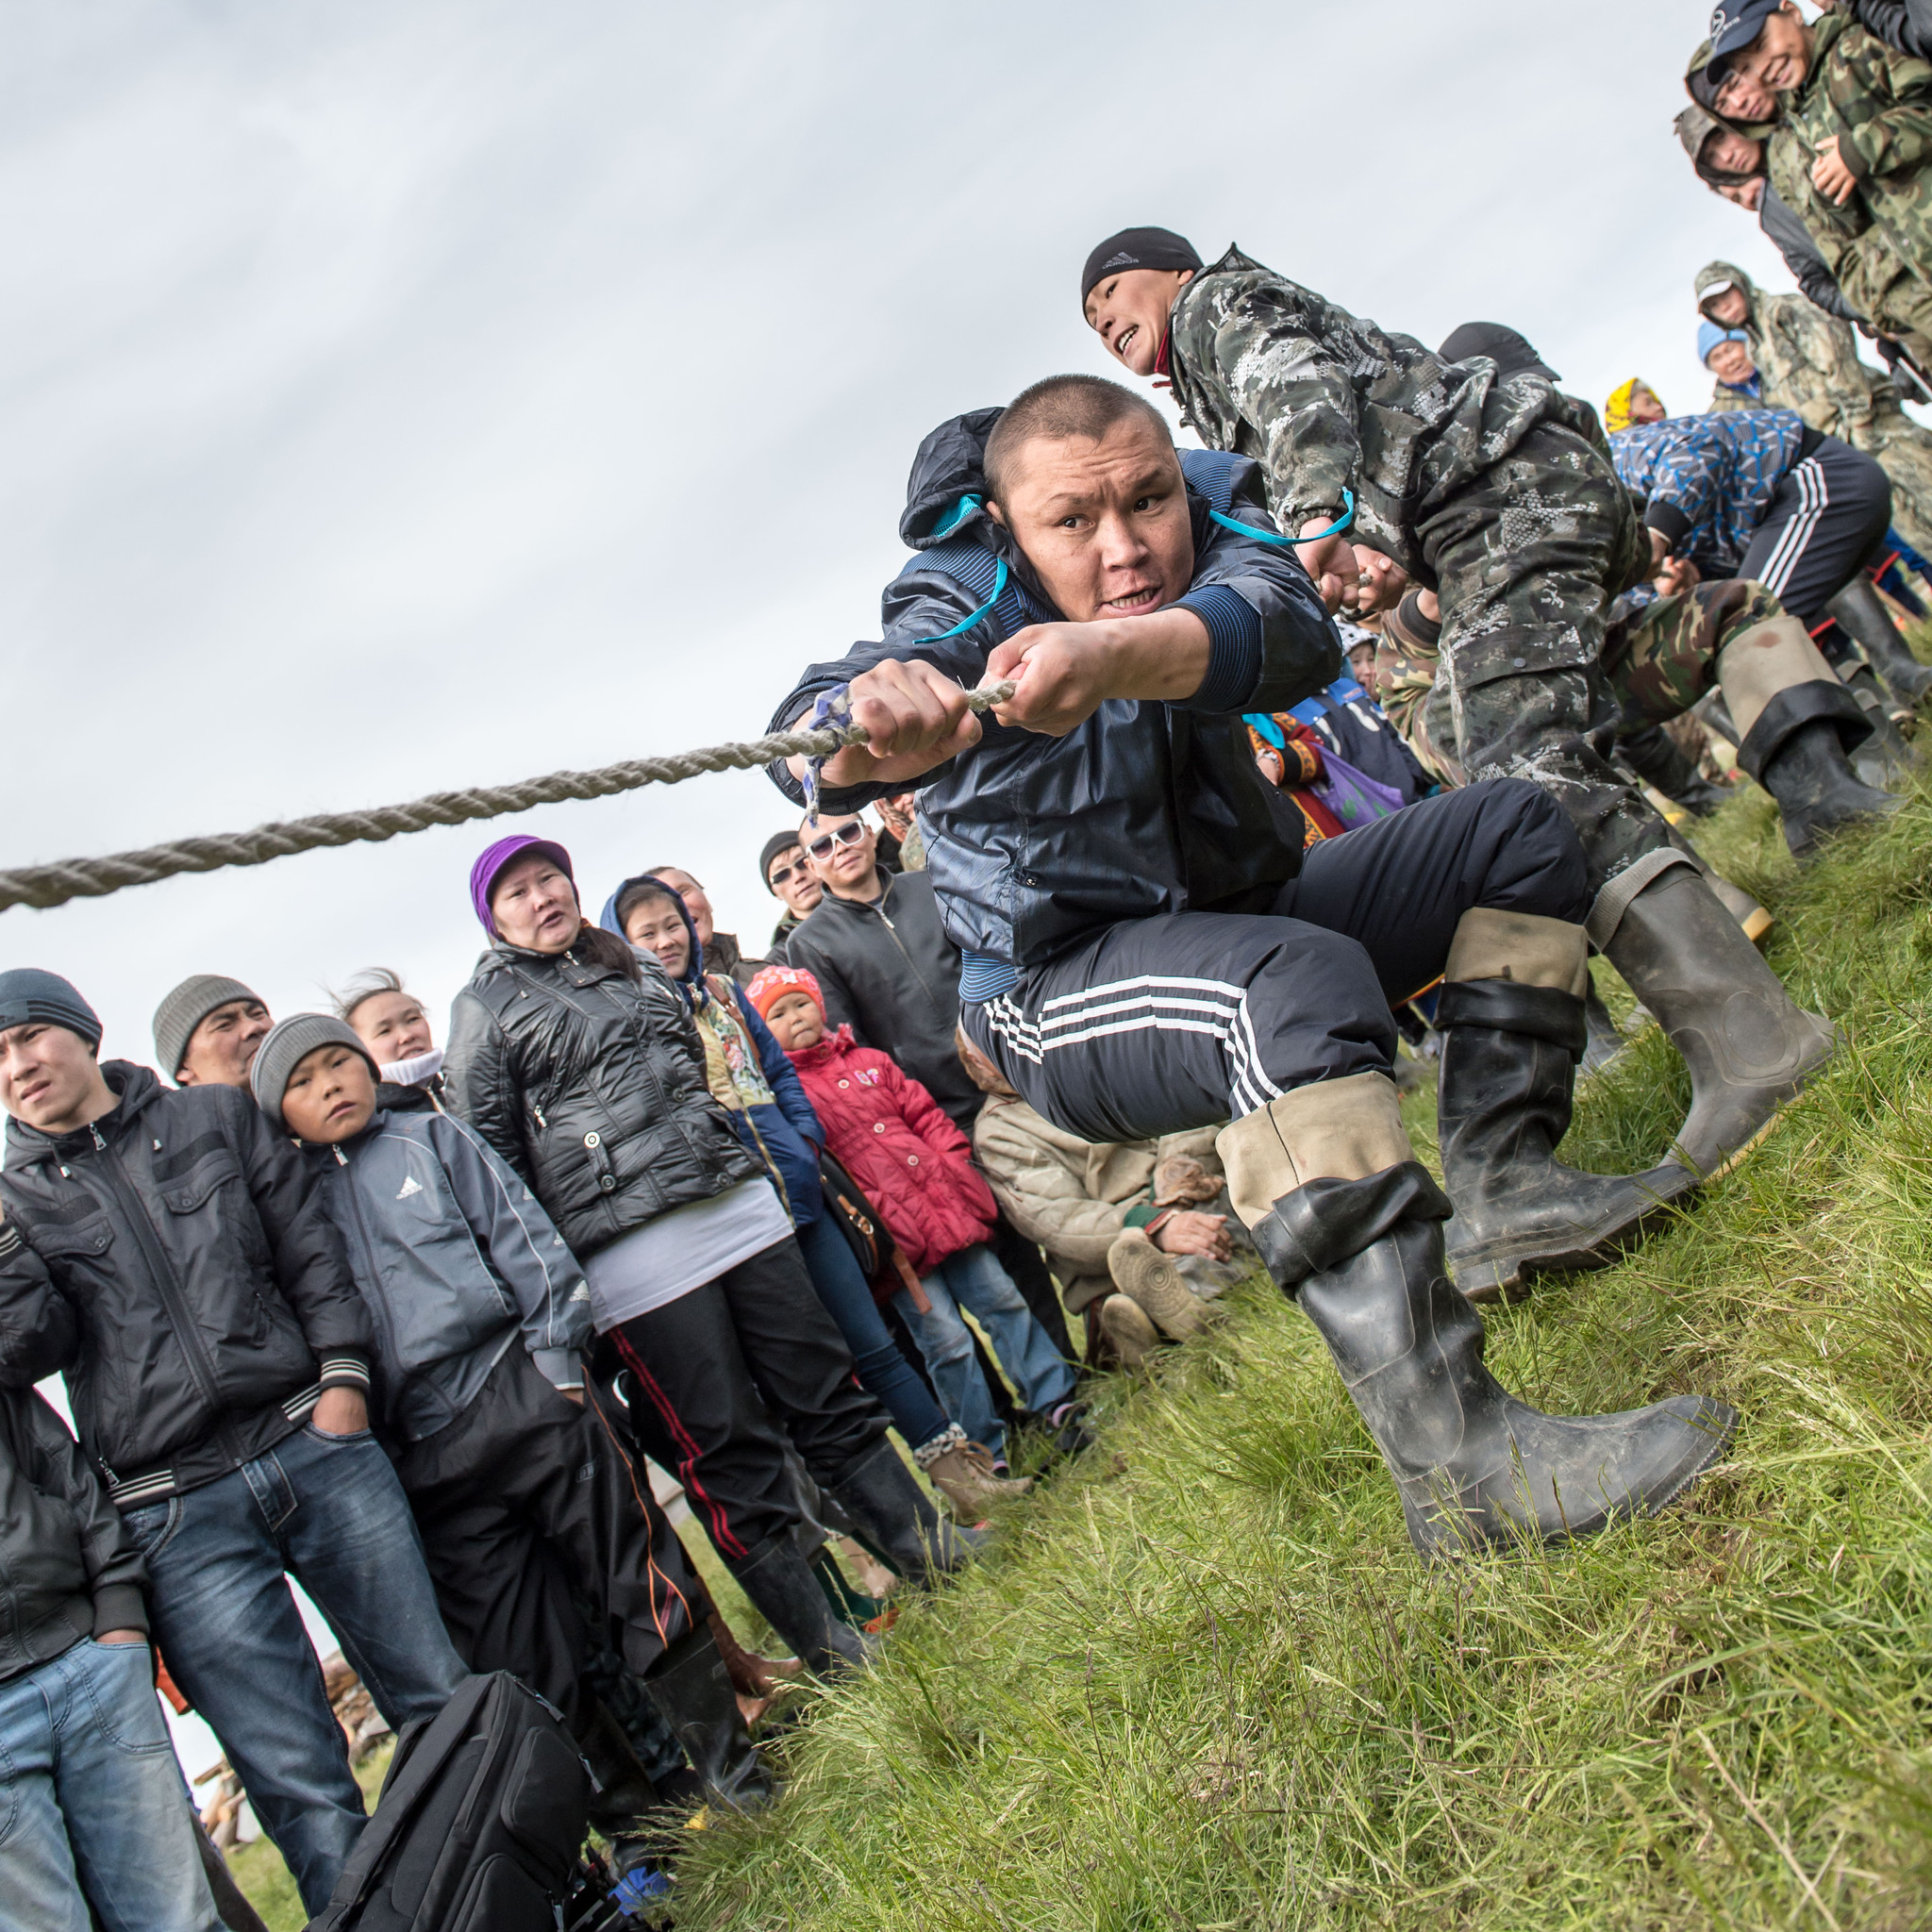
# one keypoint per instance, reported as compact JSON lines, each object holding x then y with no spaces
{"x":93,"y":1809}
{"x":170,"y":1255}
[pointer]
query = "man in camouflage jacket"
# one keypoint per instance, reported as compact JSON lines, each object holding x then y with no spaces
{"x":1851,"y":154}
{"x":1808,"y":361}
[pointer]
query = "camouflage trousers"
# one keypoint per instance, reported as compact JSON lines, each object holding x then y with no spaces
{"x":1526,"y":562}
{"x":1904,"y":451}
{"x":1663,"y":660}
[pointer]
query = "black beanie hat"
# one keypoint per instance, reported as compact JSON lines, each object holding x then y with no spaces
{"x":1510,"y":352}
{"x":28,"y":995}
{"x":1138,"y":248}
{"x":777,"y":842}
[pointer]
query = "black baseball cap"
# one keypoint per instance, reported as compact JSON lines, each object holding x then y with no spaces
{"x":1734,"y":24}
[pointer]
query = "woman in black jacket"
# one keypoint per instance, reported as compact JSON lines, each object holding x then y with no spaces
{"x":581,"y":1065}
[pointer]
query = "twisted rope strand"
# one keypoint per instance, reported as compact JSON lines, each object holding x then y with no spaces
{"x":92,"y":878}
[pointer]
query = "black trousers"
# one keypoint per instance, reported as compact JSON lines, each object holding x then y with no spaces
{"x":716,"y":1374}
{"x":528,"y":1505}
{"x":1825,"y":517}
{"x":1154,"y":1025}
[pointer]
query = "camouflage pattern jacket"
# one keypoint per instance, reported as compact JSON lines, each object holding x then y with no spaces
{"x":1325,"y":402}
{"x":1878,"y":101}
{"x":1807,"y":361}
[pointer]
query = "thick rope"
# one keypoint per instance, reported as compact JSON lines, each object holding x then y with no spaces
{"x":90,"y":879}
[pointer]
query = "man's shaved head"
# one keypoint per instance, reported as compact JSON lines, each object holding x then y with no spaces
{"x":1058,"y":409}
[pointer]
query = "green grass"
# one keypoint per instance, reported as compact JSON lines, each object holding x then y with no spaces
{"x":1202,"y":1683}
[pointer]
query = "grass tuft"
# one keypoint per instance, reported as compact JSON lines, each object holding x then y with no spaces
{"x":1200,"y":1681}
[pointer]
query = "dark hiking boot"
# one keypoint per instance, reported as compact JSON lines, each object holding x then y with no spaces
{"x":1816,"y":792}
{"x":1660,"y":761}
{"x":1510,"y":1055}
{"x":785,"y":1593}
{"x":1749,"y":1048}
{"x":691,"y":1688}
{"x":1860,"y":610}
{"x":895,"y":1521}
{"x":1474,"y":1466}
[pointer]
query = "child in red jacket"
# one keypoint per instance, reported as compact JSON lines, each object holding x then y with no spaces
{"x":916,"y":1168}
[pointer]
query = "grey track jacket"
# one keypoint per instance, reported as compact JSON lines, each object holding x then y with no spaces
{"x":453,"y":1254}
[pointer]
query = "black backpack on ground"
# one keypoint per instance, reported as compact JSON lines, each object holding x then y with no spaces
{"x":478,"y":1824}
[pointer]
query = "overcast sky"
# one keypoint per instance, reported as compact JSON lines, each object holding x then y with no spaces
{"x":409,"y":395}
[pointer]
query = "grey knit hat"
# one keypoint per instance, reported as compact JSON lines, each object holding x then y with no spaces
{"x":185,"y":1008}
{"x":281,"y":1053}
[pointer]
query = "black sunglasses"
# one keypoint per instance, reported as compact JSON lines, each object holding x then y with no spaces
{"x":779,"y":874}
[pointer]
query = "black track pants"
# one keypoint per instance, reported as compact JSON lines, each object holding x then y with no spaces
{"x":1824,"y":521}
{"x":1154,"y":1025}
{"x":717,"y":1372}
{"x":527,"y":1504}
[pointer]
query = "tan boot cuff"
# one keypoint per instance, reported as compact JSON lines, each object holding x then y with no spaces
{"x":1768,"y":658}
{"x":1345,"y":1129}
{"x":1523,"y":946}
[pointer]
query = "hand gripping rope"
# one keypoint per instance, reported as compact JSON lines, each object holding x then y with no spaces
{"x":92,"y":878}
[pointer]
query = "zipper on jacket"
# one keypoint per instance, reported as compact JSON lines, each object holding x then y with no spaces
{"x":372,"y":1297}
{"x":884,"y":920}
{"x":149,"y":1242}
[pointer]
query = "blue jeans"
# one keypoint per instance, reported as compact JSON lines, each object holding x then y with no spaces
{"x":883,"y":1372}
{"x":974,"y":1279}
{"x":328,"y":1511}
{"x":90,"y":1795}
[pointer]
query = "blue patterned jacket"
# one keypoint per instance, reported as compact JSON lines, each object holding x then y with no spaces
{"x":1706,"y":481}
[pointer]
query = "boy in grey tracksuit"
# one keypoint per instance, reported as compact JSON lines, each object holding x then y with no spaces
{"x":524,"y":1499}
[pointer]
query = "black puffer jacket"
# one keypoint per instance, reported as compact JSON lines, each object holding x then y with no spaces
{"x":176,"y":1262}
{"x":593,"y":1087}
{"x":67,"y":1568}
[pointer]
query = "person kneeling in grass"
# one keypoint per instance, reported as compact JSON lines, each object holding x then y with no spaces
{"x":521,"y":1495}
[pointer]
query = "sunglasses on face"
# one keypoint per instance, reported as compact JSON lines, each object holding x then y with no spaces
{"x":849,"y":834}
{"x":779,"y":874}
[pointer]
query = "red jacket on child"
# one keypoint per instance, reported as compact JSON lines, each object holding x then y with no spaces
{"x":913,"y":1163}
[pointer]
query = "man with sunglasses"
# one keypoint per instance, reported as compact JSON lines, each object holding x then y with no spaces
{"x":791,"y":882}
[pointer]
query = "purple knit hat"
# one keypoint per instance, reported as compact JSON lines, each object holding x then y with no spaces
{"x":483,"y":873}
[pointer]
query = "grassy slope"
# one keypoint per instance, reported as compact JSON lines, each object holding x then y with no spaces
{"x":1203,"y":1683}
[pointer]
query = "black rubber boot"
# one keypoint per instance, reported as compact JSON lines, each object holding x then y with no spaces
{"x":896,"y":1522}
{"x":1816,"y":792}
{"x":1748,"y":1047}
{"x":1656,"y":757}
{"x":1510,"y":1055}
{"x":693,"y":1691}
{"x":1883,"y":759}
{"x":1861,"y":611}
{"x":780,"y":1585}
{"x":1602,"y":1043}
{"x":1474,"y":1466}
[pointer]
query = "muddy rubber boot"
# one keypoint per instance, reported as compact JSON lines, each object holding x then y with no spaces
{"x":1602,"y":1042}
{"x":1749,"y":1048}
{"x":1511,"y":1014}
{"x":1816,"y":791}
{"x":1884,"y":759}
{"x":785,"y":1593}
{"x":1126,"y":1324}
{"x":691,"y":1688}
{"x":1861,"y":614}
{"x":1147,"y":1278}
{"x":1660,"y":761}
{"x":1363,"y":1253}
{"x":894,"y":1519}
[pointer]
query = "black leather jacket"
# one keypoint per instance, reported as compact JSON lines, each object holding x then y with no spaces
{"x":176,"y":1262}
{"x":891,"y":974}
{"x":67,"y":1568}
{"x":592,"y":1088}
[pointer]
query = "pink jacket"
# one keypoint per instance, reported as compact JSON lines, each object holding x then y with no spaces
{"x":913,"y":1163}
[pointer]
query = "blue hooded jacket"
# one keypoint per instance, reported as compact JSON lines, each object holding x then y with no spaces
{"x":787,"y":1125}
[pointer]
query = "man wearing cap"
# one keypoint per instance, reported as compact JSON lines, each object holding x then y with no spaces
{"x":1850,"y":151}
{"x":207,"y":1031}
{"x":168,"y":1254}
{"x":790,"y":880}
{"x":1387,"y":464}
